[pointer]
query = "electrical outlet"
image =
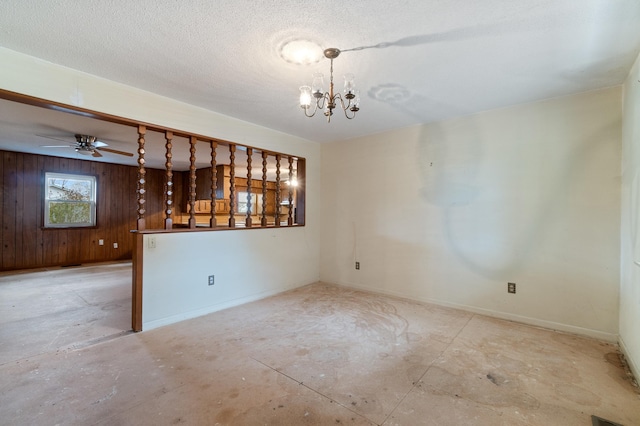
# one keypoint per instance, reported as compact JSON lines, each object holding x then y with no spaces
{"x":211,"y":279}
{"x":511,"y":288}
{"x":100,"y":242}
{"x":357,"y":265}
{"x":115,"y":245}
{"x":151,"y":242}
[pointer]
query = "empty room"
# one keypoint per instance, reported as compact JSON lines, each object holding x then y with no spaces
{"x":370,"y":213}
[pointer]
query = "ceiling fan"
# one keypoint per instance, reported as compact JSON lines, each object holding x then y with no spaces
{"x":88,"y":145}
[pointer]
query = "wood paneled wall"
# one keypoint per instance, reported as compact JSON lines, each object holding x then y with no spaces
{"x":26,"y":244}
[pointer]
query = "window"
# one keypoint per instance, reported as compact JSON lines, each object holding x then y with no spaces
{"x":70,"y":200}
{"x":256,"y":200}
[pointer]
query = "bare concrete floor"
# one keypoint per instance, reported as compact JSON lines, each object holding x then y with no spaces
{"x":59,"y":308}
{"x":318,"y":355}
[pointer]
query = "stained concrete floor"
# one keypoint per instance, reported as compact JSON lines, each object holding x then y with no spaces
{"x":317,"y":355}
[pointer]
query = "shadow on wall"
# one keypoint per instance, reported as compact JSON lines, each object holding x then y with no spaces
{"x":449,"y":177}
{"x":492,"y":226}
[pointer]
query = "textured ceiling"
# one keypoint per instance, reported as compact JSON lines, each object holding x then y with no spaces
{"x":421,"y":60}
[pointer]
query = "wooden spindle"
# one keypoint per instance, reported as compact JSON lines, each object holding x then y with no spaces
{"x":301,"y":175}
{"x":277,"y":213}
{"x":214,"y":184}
{"x":263,"y":221}
{"x":168,"y":220}
{"x":232,"y":186}
{"x":249,"y":189}
{"x":291,"y":189}
{"x":140,"y":224}
{"x":192,"y":183}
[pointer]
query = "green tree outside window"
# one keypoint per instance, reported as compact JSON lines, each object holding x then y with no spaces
{"x":70,"y":200}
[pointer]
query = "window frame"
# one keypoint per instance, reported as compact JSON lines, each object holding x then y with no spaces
{"x":92,"y":223}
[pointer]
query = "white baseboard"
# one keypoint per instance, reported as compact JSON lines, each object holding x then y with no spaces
{"x":597,"y":334}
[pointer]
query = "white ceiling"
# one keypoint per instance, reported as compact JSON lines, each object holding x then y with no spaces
{"x":421,"y":60}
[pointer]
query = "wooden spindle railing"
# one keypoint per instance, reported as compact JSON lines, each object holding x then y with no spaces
{"x":168,"y":202}
{"x":278,"y":200}
{"x":232,"y":186}
{"x":214,"y":185}
{"x":291,"y":189}
{"x":249,"y":189}
{"x":140,"y":224}
{"x":192,"y":182}
{"x":223,"y":181}
{"x":263,"y":221}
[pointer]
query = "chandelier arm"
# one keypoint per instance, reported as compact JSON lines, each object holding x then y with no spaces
{"x":306,"y":111}
{"x":344,"y":107}
{"x":320,"y":102}
{"x":346,"y":113}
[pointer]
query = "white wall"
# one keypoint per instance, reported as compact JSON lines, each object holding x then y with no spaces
{"x":450,"y":212}
{"x":630,"y":227}
{"x":247,"y":264}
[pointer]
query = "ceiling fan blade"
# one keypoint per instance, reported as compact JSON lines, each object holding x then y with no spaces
{"x":115,"y":151}
{"x":96,"y":154}
{"x":55,"y":138}
{"x":57,"y":146}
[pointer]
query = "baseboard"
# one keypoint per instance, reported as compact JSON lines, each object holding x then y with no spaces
{"x":150,"y":325}
{"x":596,"y":334}
{"x":630,"y":361}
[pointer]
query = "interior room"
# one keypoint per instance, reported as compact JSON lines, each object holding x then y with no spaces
{"x":198,"y":227}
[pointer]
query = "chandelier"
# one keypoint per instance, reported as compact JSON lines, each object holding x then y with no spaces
{"x":327,"y":101}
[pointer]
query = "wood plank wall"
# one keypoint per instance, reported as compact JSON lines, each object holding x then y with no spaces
{"x":25,"y":244}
